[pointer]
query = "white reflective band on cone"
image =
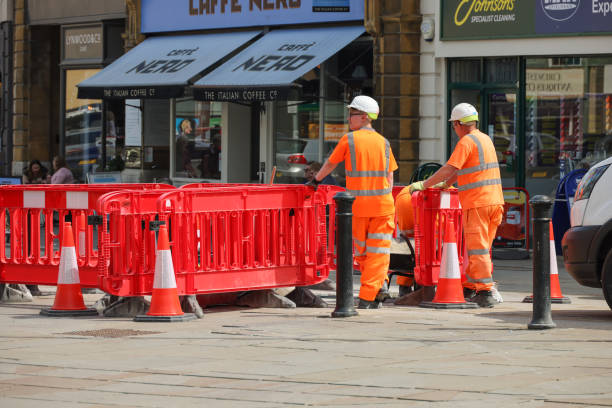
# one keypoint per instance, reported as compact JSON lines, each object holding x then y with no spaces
{"x":449,"y":266}
{"x":554,"y":270}
{"x":164,"y":271}
{"x":68,"y":267}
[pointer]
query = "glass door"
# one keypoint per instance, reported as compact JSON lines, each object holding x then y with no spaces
{"x":499,"y":121}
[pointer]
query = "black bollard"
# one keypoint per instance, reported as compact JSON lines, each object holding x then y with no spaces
{"x":345,"y":304}
{"x":541,"y":318}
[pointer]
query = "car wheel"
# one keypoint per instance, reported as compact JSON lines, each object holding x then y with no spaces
{"x":606,"y":278}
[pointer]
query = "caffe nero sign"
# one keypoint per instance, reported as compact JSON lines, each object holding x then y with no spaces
{"x":486,"y":19}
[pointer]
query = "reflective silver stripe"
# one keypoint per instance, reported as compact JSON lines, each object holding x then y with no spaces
{"x":479,"y":184}
{"x":362,"y":193}
{"x":478,"y":252}
{"x":358,"y":242}
{"x":357,"y":253}
{"x":485,"y":280}
{"x":380,"y":236}
{"x":378,"y":250}
{"x":387,"y":154}
{"x":481,"y":159}
{"x":367,"y":173}
{"x":351,"y":144}
{"x":481,"y":167}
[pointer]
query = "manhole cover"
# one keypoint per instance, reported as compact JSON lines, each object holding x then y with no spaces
{"x":110,"y":333}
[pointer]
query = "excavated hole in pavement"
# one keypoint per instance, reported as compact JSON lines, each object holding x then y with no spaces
{"x":110,"y":333}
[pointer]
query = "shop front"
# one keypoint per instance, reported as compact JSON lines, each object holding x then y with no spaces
{"x":69,"y":42}
{"x":540,"y":74}
{"x":263,"y":87}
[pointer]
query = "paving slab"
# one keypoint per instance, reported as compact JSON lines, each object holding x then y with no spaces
{"x":396,"y":356}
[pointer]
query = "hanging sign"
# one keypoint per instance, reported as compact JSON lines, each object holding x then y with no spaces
{"x":181,"y":15}
{"x":487,"y":19}
{"x":82,"y":42}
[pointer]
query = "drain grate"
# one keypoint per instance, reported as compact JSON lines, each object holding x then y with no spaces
{"x":110,"y":333}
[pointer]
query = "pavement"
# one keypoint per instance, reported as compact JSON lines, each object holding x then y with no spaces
{"x":397,"y":356}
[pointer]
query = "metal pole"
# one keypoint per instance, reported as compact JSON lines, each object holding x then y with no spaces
{"x":541,"y":318}
{"x":345,"y":304}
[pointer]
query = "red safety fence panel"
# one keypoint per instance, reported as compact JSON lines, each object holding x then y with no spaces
{"x":32,"y":219}
{"x":328,"y":191}
{"x":433,"y":208}
{"x":223,"y":237}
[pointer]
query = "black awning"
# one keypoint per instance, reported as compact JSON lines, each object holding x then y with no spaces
{"x":161,"y":67}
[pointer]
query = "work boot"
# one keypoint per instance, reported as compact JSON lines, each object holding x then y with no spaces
{"x":468,"y":293}
{"x":484,"y":298}
{"x":367,"y":304}
{"x":405,"y":290}
{"x":383,"y":293}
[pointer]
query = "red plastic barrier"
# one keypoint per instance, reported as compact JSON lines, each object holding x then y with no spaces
{"x":433,"y":207}
{"x":30,"y":241}
{"x":223,"y":238}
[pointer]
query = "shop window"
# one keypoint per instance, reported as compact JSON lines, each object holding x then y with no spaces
{"x":465,"y":70}
{"x":82,"y":127}
{"x":115,"y":135}
{"x":564,"y":61}
{"x":297,"y":138}
{"x":568,"y":118}
{"x":197,"y":129}
{"x":501,"y":70}
{"x":460,"y":96}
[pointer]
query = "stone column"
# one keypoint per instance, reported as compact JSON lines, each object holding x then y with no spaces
{"x":20,"y":89}
{"x":395,"y":26}
{"x":131,"y":36}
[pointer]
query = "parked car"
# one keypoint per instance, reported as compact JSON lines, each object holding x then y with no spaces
{"x":293,"y":155}
{"x":587,"y":245}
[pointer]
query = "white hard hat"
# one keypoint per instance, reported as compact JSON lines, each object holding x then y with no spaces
{"x":464,"y":112}
{"x":365,"y":104}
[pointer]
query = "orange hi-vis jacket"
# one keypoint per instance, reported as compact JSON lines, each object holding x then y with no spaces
{"x":368,"y":160}
{"x":478,"y":176}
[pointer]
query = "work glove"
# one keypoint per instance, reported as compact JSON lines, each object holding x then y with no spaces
{"x":441,"y":185}
{"x":418,"y":186}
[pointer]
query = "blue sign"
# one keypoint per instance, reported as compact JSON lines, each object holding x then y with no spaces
{"x":573,"y":16}
{"x":182,"y":15}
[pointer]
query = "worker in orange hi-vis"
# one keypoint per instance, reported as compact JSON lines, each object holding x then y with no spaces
{"x":473,"y":164}
{"x":369,"y":165}
{"x":404,"y":216}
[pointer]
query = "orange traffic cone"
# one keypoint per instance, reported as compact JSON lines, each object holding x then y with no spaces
{"x":555,"y":287}
{"x":68,"y":298}
{"x":449,"y":293}
{"x":165,"y":304}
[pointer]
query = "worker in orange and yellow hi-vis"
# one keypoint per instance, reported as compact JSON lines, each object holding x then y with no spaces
{"x":404,"y":216}
{"x":473,"y":164}
{"x":369,"y":165}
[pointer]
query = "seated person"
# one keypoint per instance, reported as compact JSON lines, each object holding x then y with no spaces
{"x":35,"y":173}
{"x":312,"y":169}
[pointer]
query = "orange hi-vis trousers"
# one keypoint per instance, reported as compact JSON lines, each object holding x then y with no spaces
{"x":404,"y":215}
{"x":479,"y":228}
{"x":372,"y":238}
